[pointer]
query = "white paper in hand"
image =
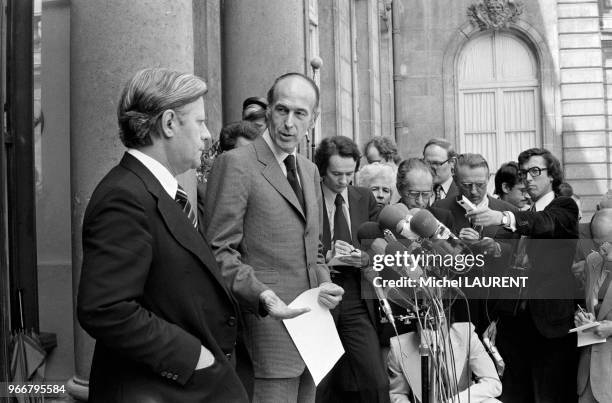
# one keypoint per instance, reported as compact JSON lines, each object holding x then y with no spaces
{"x":314,"y":334}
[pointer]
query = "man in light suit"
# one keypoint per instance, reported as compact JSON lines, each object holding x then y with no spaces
{"x":150,"y":293}
{"x":263,"y":209}
{"x":469,"y":360}
{"x":595,"y":363}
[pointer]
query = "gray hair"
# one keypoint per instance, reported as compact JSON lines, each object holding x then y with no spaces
{"x":147,"y":95}
{"x":376,"y":171}
{"x":408,"y":166}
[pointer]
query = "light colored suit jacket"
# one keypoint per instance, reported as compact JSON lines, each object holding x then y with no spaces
{"x":595,"y":361}
{"x":407,"y":376}
{"x":262,"y":239}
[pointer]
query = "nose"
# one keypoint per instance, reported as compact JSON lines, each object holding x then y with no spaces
{"x":205,"y":134}
{"x":290,"y":120}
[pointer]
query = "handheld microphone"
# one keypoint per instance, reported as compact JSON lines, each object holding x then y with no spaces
{"x":367,"y":233}
{"x":396,"y":218}
{"x":440,"y":238}
{"x":370,"y":274}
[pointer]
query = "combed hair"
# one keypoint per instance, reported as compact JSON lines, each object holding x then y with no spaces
{"x":314,"y":86}
{"x":148,"y":94}
{"x":230,"y":133}
{"x":376,"y":171}
{"x":552,"y":164}
{"x":408,"y":166}
{"x":442,"y":143}
{"x":386,"y":148}
{"x":507,"y":173}
{"x":336,"y":145}
{"x":471,"y":160}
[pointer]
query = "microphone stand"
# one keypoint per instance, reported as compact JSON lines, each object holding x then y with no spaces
{"x":424,"y":353}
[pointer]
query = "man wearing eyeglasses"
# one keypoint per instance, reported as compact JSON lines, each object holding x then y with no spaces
{"x":440,"y":156}
{"x":534,"y":339}
{"x":415,"y":187}
{"x":471,"y":178}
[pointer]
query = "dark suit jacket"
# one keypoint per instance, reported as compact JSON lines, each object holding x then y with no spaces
{"x":460,"y":220}
{"x":492,"y":265}
{"x":453,"y":192}
{"x":362,"y":208}
{"x":151,"y":294}
{"x":553,"y":233}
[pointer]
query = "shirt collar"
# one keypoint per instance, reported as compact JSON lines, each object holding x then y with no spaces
{"x":446,"y":185}
{"x":544,"y":201}
{"x":279,"y":154}
{"x":161,"y":173}
{"x":330,"y":196}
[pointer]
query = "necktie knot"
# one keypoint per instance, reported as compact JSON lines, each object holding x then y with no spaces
{"x":438,"y":191}
{"x":339,"y":200}
{"x":290,"y":163}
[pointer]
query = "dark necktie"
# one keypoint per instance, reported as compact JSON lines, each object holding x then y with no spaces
{"x":438,"y":192}
{"x":341,"y":229}
{"x":293,"y":179}
{"x":183,"y":202}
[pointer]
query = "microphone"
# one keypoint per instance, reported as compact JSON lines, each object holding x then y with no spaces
{"x":370,"y":274}
{"x":367,"y":233}
{"x":442,"y":240}
{"x":414,"y":271}
{"x":396,"y":218}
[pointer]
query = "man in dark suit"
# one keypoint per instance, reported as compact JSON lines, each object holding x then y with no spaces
{"x":471,"y":177}
{"x":540,"y":354}
{"x":263,"y":211}
{"x":415,"y":186}
{"x":360,"y":375}
{"x":440,"y":155}
{"x":150,"y":291}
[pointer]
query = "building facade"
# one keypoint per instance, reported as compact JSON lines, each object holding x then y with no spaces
{"x":494,"y":77}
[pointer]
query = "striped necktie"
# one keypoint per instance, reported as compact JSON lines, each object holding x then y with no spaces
{"x":183,"y":202}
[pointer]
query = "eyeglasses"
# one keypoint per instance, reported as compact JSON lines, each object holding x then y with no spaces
{"x":436,"y":164}
{"x":415,"y":195}
{"x":470,"y":185}
{"x":533,"y":171}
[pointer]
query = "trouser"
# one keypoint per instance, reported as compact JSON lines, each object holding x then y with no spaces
{"x":538,"y":369}
{"x":360,"y":374}
{"x":300,"y":389}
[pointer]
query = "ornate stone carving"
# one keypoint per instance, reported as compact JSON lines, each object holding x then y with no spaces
{"x":494,"y":14}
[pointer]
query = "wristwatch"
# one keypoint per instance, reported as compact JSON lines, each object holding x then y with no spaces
{"x":505,"y":221}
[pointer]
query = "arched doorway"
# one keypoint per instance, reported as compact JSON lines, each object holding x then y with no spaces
{"x":498,"y":97}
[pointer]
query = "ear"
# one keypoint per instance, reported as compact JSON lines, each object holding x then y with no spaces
{"x":168,"y":123}
{"x":315,"y":115}
{"x":505,"y":188}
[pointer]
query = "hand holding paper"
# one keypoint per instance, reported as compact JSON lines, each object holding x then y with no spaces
{"x":314,"y":334}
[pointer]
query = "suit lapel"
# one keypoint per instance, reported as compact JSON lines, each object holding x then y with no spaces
{"x":354,"y":211}
{"x":176,"y":221}
{"x":326,"y":238}
{"x":606,"y":304}
{"x":274,"y":175}
{"x":410,"y":355}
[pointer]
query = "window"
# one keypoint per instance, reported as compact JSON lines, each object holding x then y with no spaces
{"x":499,"y":98}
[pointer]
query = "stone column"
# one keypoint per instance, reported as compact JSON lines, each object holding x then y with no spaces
{"x":109,"y":41}
{"x":261,"y":40}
